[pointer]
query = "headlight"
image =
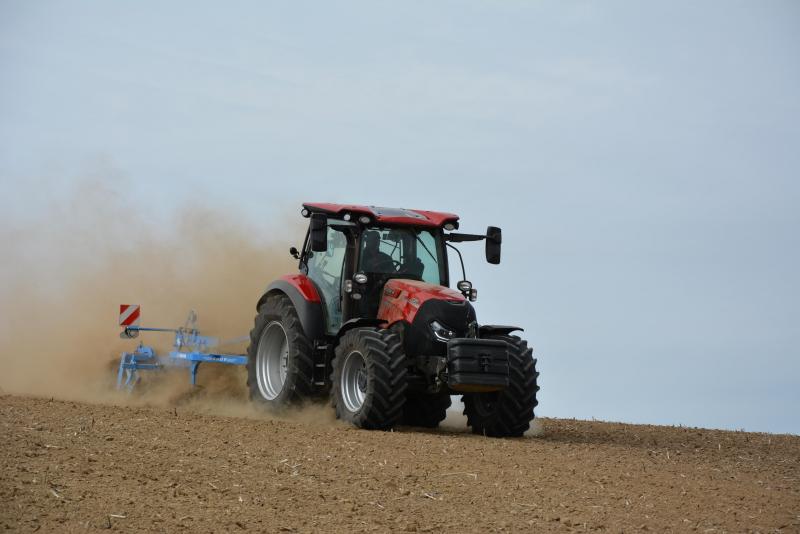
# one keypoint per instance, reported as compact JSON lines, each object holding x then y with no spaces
{"x":441,"y":332}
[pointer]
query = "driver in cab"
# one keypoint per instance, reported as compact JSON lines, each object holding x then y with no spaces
{"x":373,"y":260}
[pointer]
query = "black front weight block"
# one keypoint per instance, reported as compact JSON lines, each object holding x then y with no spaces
{"x":477,"y":365}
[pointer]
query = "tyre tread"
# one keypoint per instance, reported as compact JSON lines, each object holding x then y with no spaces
{"x":386,"y":364}
{"x":514,"y":406}
{"x":279,"y":307}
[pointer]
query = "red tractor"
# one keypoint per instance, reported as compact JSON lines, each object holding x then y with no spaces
{"x":371,"y":320}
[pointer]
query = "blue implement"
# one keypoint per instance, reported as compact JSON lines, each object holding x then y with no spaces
{"x":190,"y":350}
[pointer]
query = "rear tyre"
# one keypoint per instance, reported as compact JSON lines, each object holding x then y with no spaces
{"x":507,"y":413}
{"x":426,"y":411}
{"x":279,"y":359}
{"x":369,"y":378}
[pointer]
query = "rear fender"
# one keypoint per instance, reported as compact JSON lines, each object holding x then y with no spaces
{"x":305,"y":299}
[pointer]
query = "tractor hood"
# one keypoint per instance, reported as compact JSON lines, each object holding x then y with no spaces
{"x":402,"y":299}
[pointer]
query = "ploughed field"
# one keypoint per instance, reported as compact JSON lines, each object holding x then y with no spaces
{"x":72,"y":467}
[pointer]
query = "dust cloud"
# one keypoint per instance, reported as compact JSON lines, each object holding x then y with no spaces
{"x":65,"y":274}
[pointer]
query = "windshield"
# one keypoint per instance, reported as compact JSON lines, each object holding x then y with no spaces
{"x":406,"y":251}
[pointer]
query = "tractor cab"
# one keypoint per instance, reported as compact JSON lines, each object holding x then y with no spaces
{"x":351,"y":255}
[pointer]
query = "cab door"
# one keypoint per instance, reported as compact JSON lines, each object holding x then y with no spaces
{"x":326,"y":270}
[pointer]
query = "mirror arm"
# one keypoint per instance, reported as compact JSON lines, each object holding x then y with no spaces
{"x":460,"y":238}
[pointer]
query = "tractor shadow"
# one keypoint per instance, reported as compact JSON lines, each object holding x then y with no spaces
{"x":455,"y":425}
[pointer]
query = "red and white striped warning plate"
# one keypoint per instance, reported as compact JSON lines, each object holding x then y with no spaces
{"x":129,"y":315}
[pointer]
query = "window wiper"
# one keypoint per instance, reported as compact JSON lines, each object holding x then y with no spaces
{"x":426,"y":248}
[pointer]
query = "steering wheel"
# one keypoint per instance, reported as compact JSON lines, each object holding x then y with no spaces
{"x":383,"y":266}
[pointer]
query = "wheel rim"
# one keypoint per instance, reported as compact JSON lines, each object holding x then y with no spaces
{"x":485,"y":403}
{"x":353,"y":383}
{"x":272,"y":360}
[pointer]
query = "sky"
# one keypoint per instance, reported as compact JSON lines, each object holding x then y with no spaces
{"x":641,"y":157}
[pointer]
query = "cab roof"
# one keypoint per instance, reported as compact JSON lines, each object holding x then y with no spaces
{"x":400,"y":216}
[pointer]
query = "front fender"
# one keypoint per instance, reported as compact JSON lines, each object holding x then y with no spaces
{"x":359,"y":323}
{"x":497,"y":330}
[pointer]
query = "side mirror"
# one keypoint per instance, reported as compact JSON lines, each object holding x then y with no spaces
{"x":494,"y":238}
{"x":319,"y":232}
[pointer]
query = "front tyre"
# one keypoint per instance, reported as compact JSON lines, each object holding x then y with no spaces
{"x":507,"y":413}
{"x":426,"y":410}
{"x":369,"y":378}
{"x":279,"y":358}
